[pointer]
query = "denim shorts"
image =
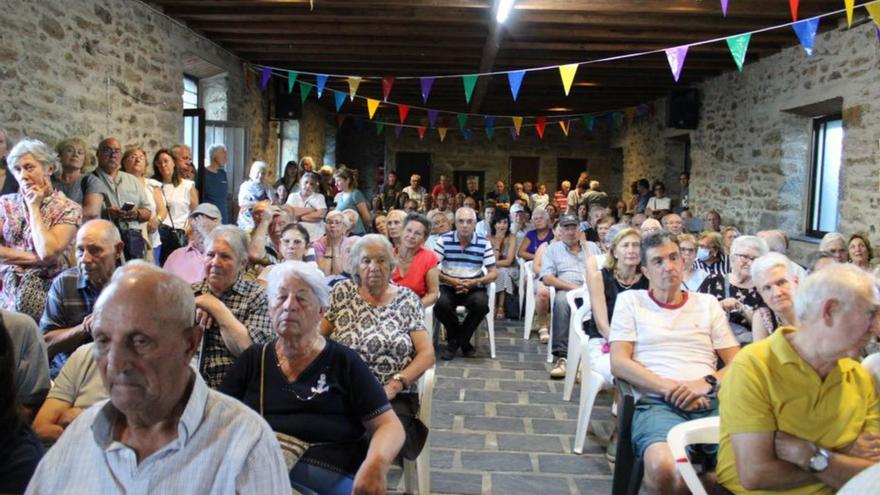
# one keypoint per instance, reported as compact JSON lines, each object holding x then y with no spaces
{"x":654,"y":418}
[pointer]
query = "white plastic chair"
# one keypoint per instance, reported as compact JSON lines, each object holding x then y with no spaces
{"x":872,"y":366}
{"x":522,"y":282}
{"x":703,"y":430}
{"x":531,"y":293}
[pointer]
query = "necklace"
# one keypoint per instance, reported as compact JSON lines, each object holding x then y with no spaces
{"x":634,"y":277}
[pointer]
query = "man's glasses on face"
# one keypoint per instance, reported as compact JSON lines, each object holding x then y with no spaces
{"x":110,"y":151}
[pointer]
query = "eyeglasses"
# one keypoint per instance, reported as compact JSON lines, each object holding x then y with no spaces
{"x":746,"y":257}
{"x":688,"y":250}
{"x":110,"y":151}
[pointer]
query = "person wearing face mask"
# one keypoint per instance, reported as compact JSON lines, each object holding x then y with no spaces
{"x":308,"y":205}
{"x":777,"y":287}
{"x":691,"y":276}
{"x":710,"y":253}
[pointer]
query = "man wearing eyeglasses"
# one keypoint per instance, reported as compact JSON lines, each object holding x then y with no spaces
{"x":125,"y":200}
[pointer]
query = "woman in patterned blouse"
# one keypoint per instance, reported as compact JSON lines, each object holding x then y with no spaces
{"x":383,"y":322}
{"x":37,"y":225}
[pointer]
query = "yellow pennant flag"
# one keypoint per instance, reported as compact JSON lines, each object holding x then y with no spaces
{"x":372,"y":105}
{"x":567,"y":72}
{"x":353,"y":83}
{"x":517,"y":123}
{"x":874,"y":10}
{"x":849,"y":4}
{"x":442,"y":132}
{"x":564,"y":124}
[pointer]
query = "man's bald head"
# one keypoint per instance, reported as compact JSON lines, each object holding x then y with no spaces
{"x":102,"y":229}
{"x":139,"y":285}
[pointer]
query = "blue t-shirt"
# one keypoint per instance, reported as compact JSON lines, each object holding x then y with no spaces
{"x":216,"y":188}
{"x":349,"y":201}
{"x":19,"y":456}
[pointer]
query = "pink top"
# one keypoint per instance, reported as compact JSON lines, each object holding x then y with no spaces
{"x":187,"y":263}
{"x":415,"y":278}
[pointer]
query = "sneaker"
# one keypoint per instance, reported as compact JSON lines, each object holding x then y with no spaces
{"x":558,"y":370}
{"x":611,"y":449}
{"x":447,"y":354}
{"x":544,"y":335}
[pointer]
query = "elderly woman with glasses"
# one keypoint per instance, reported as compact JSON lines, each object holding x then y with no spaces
{"x":37,"y":224}
{"x":736,"y":290}
{"x":251,"y":192}
{"x":777,"y":287}
{"x":384,"y":323}
{"x":835,"y":244}
{"x":333,"y":250}
{"x":317,"y":391}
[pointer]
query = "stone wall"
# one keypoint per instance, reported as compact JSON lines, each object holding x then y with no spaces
{"x":98,"y":68}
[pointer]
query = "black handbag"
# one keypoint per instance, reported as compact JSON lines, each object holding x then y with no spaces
{"x":134,"y":246}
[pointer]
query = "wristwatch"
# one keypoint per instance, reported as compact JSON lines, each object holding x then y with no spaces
{"x":399,"y":377}
{"x":713,"y":382}
{"x":820,"y":460}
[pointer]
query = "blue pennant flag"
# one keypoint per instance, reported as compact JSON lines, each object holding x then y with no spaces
{"x":322,"y":81}
{"x":340,"y":98}
{"x":515,"y":80}
{"x":806,"y":32}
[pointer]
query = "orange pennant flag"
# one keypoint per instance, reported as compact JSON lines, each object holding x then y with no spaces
{"x":517,"y":123}
{"x":567,"y":72}
{"x":372,"y":105}
{"x":442,"y":132}
{"x":564,"y":124}
{"x":353,"y":83}
{"x":422,"y":132}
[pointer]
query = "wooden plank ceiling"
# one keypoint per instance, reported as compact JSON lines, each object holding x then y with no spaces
{"x":436,"y":37}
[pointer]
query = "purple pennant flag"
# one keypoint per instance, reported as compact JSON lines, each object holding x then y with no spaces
{"x":878,"y":34}
{"x":432,"y":117}
{"x":515,"y":80}
{"x":426,"y":82}
{"x":397,"y":130}
{"x":512,"y":133}
{"x":265,"y":74}
{"x":676,"y":58}
{"x":724,"y":7}
{"x":322,"y":81}
{"x":806,"y":33}
{"x":340,"y":99}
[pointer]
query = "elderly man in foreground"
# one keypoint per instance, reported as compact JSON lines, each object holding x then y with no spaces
{"x":798,"y":414}
{"x":162,"y":430}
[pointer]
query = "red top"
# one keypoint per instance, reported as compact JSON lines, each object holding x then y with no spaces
{"x":424,"y":260}
{"x":449,"y":191}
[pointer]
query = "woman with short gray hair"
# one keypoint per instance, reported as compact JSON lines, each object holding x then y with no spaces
{"x":333,"y":250}
{"x":777,"y":288}
{"x":251,"y":192}
{"x":37,"y":224}
{"x":835,"y":243}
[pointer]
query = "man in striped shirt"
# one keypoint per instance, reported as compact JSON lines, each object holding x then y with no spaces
{"x":561,"y":196}
{"x":463,"y":256}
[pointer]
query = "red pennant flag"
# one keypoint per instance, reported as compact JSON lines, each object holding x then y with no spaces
{"x":422,"y":132}
{"x":403,"y":110}
{"x":794,"y":8}
{"x":539,"y":126}
{"x":387,"y":82}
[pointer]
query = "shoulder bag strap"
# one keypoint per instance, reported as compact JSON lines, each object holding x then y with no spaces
{"x":262,"y":376}
{"x":167,"y":206}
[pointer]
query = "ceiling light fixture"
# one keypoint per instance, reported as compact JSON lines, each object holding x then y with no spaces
{"x":504,"y":8}
{"x":560,"y":109}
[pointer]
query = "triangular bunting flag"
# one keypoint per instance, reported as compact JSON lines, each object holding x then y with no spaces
{"x":265,"y":74}
{"x":564,"y":124}
{"x":387,"y":83}
{"x":850,"y":5}
{"x":422,"y":132}
{"x":403,"y":110}
{"x":676,"y":57}
{"x":874,"y":10}
{"x":738,"y":46}
{"x":512,"y":133}
{"x":617,"y":118}
{"x":517,"y":123}
{"x":589,"y":121}
{"x":339,"y":96}
{"x":490,"y":127}
{"x":540,"y":122}
{"x":878,"y":33}
{"x":397,"y":130}
{"x":442,"y":132}
{"x":432,"y":117}
{"x":321,"y":82}
{"x":567,"y":72}
{"x":353,"y":83}
{"x":469,"y":82}
{"x":426,"y":83}
{"x":806,"y":32}
{"x":304,"y":90}
{"x":794,"y":8}
{"x":466,"y":133}
{"x":291,"y":78}
{"x":462,"y":120}
{"x":372,"y":105}
{"x":339,"y":120}
{"x":724,"y":7}
{"x":490,"y":133}
{"x":379,"y":127}
{"x":515,"y":79}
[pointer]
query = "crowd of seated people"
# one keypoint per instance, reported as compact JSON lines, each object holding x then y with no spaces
{"x":148,"y":309}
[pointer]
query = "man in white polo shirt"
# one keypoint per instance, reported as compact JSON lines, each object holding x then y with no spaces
{"x":666,"y":343}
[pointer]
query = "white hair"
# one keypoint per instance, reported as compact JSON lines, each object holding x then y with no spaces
{"x":333,"y":213}
{"x":306,"y":272}
{"x":232,"y":235}
{"x":749,"y":242}
{"x":257,"y":165}
{"x":172,"y":292}
{"x":775,"y":240}
{"x":215,"y":148}
{"x":842,"y":282}
{"x":41,"y":152}
{"x":363,"y":242}
{"x":831,"y":238}
{"x":540,"y":212}
{"x":763,"y":264}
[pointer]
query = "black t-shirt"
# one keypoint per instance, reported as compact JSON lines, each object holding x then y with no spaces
{"x":612,"y":289}
{"x":717,"y":285}
{"x":327,"y":404}
{"x":19,"y":456}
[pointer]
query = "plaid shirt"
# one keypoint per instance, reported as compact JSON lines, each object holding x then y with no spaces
{"x":249,"y":305}
{"x":69,"y":301}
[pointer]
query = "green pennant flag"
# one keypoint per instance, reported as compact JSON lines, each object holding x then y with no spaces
{"x":304,"y":90}
{"x":738,"y":46}
{"x":589,"y":121}
{"x":379,"y":127}
{"x":469,"y":82}
{"x":490,"y":132}
{"x":291,"y":78}
{"x":462,"y":120}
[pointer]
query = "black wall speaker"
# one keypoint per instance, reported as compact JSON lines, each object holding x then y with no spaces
{"x":683,"y":108}
{"x":287,"y":105}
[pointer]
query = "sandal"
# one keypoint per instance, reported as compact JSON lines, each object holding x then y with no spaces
{"x":544,"y":335}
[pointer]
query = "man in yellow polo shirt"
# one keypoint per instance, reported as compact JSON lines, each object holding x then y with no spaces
{"x":798,"y":414}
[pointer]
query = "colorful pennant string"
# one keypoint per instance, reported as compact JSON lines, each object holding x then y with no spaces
{"x":469,"y":83}
{"x":403,"y":110}
{"x":422,"y":132}
{"x":565,"y":125}
{"x":567,"y":73}
{"x":793,"y":4}
{"x":353,"y":83}
{"x":265,"y":74}
{"x":517,"y":123}
{"x":738,"y":46}
{"x":724,"y":8}
{"x":442,"y":132}
{"x":291,"y":78}
{"x":340,"y":99}
{"x":849,"y":5}
{"x":387,"y":83}
{"x":515,"y":81}
{"x":806,"y":33}
{"x":676,"y":57}
{"x":540,"y":122}
{"x":379,"y":127}
{"x":321,"y":81}
{"x":426,"y":83}
{"x":372,"y":105}
{"x":304,"y":90}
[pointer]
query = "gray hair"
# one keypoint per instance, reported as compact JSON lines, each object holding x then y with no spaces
{"x":363,"y":242}
{"x":843,"y":282}
{"x":613,"y":230}
{"x":174,"y":294}
{"x":763,"y":264}
{"x":776,"y":240}
{"x":232,"y":235}
{"x":749,"y":242}
{"x":215,"y":148}
{"x":109,"y":230}
{"x":41,"y":152}
{"x":333,"y":213}
{"x":540,"y":212}
{"x":259,"y":164}
{"x":655,"y":239}
{"x":307,"y":272}
{"x":831,"y":238}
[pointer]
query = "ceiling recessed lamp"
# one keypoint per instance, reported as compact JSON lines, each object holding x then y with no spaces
{"x":504,"y":8}
{"x":560,"y":109}
{"x":587,"y":83}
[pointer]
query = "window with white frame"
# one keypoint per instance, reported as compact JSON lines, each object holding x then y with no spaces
{"x":826,"y":160}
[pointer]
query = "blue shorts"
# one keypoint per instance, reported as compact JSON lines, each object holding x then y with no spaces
{"x":654,"y":418}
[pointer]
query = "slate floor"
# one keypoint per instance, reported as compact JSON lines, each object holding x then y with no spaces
{"x":500,"y":426}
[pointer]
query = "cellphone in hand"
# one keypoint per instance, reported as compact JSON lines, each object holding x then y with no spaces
{"x":128,"y":206}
